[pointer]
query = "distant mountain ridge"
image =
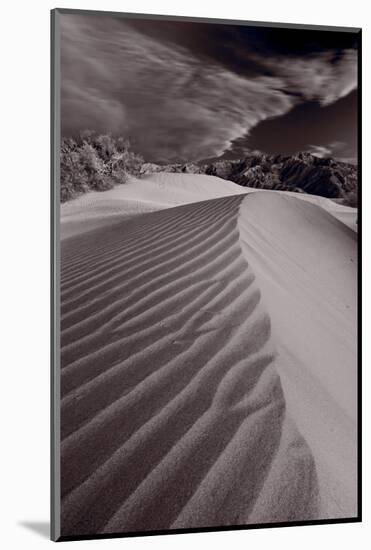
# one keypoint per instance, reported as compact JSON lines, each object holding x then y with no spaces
{"x":95,"y":162}
{"x":303,"y":173}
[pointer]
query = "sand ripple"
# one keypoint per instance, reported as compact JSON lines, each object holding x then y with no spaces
{"x":172,"y":412}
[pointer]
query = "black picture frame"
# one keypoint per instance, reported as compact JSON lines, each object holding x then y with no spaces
{"x":55,"y":268}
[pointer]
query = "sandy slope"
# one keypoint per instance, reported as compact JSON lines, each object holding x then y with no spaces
{"x":306,"y":265}
{"x":346,"y":214}
{"x":147,"y":194}
{"x":158,"y":191}
{"x":173,"y":413}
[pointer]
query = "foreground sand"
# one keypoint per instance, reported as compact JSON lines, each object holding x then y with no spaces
{"x":181,"y":405}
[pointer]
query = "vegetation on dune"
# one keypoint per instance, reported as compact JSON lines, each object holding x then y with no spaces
{"x":95,"y":162}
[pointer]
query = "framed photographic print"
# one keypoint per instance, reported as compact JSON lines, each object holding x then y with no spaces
{"x":206,"y":220}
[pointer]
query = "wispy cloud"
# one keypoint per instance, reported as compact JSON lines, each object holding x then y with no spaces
{"x":324,"y":77}
{"x":319,"y":151}
{"x":335,"y":149}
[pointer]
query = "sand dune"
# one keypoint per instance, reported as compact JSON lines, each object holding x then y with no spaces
{"x":308,"y":280}
{"x":149,"y":193}
{"x":345,"y":214}
{"x":162,"y":190}
{"x":185,"y":403}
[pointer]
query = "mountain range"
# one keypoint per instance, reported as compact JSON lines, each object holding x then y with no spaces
{"x":303,"y":173}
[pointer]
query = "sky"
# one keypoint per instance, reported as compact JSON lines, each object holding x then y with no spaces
{"x":185,"y":91}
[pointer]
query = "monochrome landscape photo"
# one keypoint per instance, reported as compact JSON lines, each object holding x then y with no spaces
{"x":208,"y":199}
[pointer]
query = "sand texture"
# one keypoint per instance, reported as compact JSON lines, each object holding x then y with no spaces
{"x":149,"y":193}
{"x":208,"y":365}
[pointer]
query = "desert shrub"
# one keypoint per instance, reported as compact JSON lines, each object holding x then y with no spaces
{"x":105,"y":147}
{"x":95,"y":169}
{"x":124,"y":163}
{"x":95,"y":162}
{"x":74,"y":179}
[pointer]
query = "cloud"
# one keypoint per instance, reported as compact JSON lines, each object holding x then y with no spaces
{"x":324,"y":77}
{"x":91,"y":108}
{"x":319,"y":151}
{"x":334,"y":149}
{"x":173,"y":104}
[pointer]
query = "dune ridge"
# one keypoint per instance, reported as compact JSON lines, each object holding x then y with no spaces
{"x":173,"y":413}
{"x":148,"y":193}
